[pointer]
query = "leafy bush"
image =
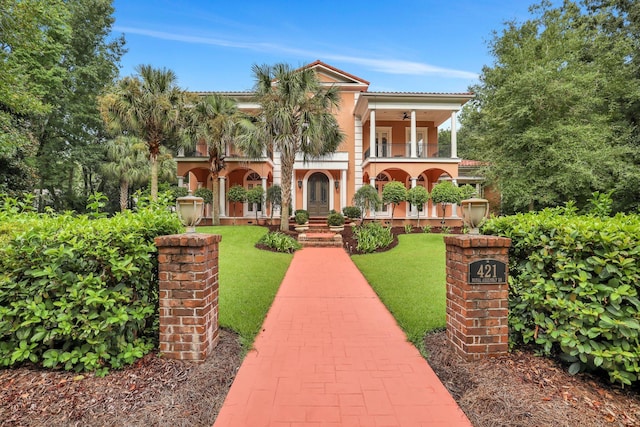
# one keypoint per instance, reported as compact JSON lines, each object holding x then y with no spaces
{"x":335,"y":220}
{"x":352,"y":211}
{"x":408,"y":228}
{"x":205,"y":193}
{"x":574,"y":287}
{"x":301,"y":216}
{"x":77,"y":293}
{"x":280,"y":242}
{"x":426,"y":229}
{"x":372,"y":236}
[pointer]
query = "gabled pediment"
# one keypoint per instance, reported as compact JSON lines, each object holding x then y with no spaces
{"x":334,"y":76}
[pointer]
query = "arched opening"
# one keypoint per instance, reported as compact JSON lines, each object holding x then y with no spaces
{"x":318,"y":194}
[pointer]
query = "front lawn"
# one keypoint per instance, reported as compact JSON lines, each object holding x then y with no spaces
{"x":410,"y":279}
{"x":249,"y":279}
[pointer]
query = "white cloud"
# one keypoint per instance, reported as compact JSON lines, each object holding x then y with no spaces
{"x":388,"y":66}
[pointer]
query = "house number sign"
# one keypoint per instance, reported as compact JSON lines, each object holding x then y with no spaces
{"x":487,"y":271}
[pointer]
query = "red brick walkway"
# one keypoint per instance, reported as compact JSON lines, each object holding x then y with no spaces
{"x":331,"y":354}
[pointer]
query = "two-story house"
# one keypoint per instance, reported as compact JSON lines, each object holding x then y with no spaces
{"x":390,"y":136}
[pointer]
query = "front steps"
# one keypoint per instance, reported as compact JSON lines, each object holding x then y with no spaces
{"x":320,"y":239}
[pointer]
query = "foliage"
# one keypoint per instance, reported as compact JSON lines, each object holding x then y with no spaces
{"x":274,"y":198}
{"x":445,"y":193}
{"x":96,"y":204}
{"x":335,"y":219}
{"x":150,"y":106}
{"x":216,"y":120}
{"x":574,"y":287}
{"x":410,"y":280}
{"x":236,"y":194}
{"x":178,"y":192}
{"x":80,"y":294}
{"x":418,"y":196}
{"x":466,"y":192}
{"x":445,"y":229}
{"x":127,"y":163}
{"x":366,"y":198}
{"x":426,"y":229}
{"x":372,"y":236}
{"x":255,"y":196}
{"x":55,"y":58}
{"x":555,"y":117}
{"x":301,"y":217}
{"x":601,"y":204}
{"x":205,"y":193}
{"x":395,"y":193}
{"x":280,"y":242}
{"x":296,"y":117}
{"x":352,"y":212}
{"x":408,"y":228}
{"x":249,"y":279}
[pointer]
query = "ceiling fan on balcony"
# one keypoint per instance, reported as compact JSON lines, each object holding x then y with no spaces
{"x":405,"y":116}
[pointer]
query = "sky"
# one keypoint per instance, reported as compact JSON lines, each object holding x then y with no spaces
{"x":398,"y":46}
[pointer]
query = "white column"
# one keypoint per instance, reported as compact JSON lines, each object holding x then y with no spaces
{"x":343,"y":189}
{"x":414,"y":208}
{"x":454,"y":207}
{"x":454,"y":140}
{"x":372,"y":134}
{"x":222,"y":195}
{"x":181,"y":152}
{"x":180,"y":181}
{"x":293,"y":192}
{"x":264,"y":192}
{"x":372,"y":181}
{"x":413,"y":150}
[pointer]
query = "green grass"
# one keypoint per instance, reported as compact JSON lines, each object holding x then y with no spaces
{"x":249,"y":279}
{"x":410,"y":280}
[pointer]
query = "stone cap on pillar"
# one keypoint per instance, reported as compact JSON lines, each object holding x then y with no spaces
{"x":187,"y":239}
{"x":477,"y":241}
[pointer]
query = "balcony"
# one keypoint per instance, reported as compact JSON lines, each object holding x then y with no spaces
{"x":403,"y":151}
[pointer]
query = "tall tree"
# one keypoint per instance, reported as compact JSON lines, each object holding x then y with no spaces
{"x":549,"y":114}
{"x":216,"y":120}
{"x":296,"y":117}
{"x":127,"y":161}
{"x":149,"y":106}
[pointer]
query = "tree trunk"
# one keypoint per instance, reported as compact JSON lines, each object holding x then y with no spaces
{"x":287,"y":172}
{"x":154,"y":178}
{"x":215,"y":193}
{"x":124,"y":195}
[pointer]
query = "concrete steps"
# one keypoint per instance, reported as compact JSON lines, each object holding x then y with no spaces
{"x":314,"y":239}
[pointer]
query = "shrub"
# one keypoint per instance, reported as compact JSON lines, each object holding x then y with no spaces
{"x":352,"y":212}
{"x":426,"y":228}
{"x":301,"y":217}
{"x":205,"y":193}
{"x":280,"y":242}
{"x":408,"y":228}
{"x":574,"y":287}
{"x":335,"y":220}
{"x":395,"y":193}
{"x":372,"y":236}
{"x":80,"y":294}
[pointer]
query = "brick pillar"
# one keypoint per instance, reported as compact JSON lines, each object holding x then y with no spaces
{"x":188,"y":276}
{"x":477,"y":295}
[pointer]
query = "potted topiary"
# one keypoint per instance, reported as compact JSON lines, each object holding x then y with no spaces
{"x":335,"y":221}
{"x":351,"y":213}
{"x":302,"y":220}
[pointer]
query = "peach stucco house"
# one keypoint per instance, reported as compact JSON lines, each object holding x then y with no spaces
{"x":390,"y":136}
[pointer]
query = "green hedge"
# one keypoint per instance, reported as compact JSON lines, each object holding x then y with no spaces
{"x":574,"y":287}
{"x":78,"y":293}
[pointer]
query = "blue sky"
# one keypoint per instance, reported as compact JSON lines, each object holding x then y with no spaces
{"x":409,"y":45}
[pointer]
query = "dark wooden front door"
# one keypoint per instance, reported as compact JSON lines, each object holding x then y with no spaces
{"x":318,"y":195}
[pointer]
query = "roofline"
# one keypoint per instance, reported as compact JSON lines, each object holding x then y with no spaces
{"x":336,"y":70}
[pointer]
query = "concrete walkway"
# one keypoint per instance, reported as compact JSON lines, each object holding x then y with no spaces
{"x":331,"y":354}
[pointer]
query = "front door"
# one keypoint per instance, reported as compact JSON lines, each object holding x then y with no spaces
{"x":318,"y":195}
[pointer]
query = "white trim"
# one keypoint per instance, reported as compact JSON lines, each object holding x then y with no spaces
{"x":357,"y":163}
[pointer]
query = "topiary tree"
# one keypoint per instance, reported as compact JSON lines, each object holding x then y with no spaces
{"x":366,"y":198}
{"x":395,"y":193}
{"x":274,"y":198}
{"x":205,"y":193}
{"x":418,"y":196}
{"x":237,"y":194}
{"x":255,"y":196}
{"x":466,"y":192}
{"x":445,"y":193}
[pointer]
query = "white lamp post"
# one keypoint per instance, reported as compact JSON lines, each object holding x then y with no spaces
{"x":473,"y":212}
{"x":190,"y":211}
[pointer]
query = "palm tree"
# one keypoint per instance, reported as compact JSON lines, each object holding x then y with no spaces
{"x":148,"y":106}
{"x":216,"y":120}
{"x":128,"y":163}
{"x":296,"y":117}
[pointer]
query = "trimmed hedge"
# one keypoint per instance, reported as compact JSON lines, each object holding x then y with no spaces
{"x":574,"y":287}
{"x":77,"y":293}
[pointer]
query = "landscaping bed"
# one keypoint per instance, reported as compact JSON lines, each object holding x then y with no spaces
{"x":519,"y":389}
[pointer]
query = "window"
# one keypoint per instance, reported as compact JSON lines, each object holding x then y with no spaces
{"x":383,"y":142}
{"x":252,"y":180}
{"x":382,"y":179}
{"x":422,"y":138}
